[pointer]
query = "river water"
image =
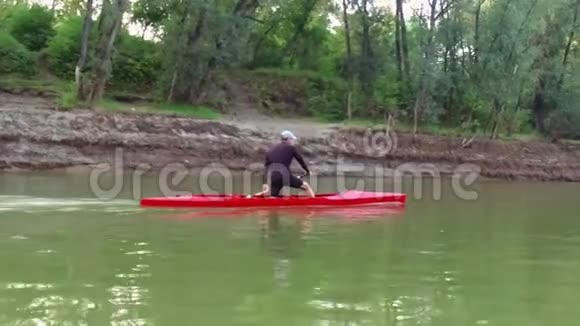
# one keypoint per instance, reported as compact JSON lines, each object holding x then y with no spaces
{"x":511,"y":257}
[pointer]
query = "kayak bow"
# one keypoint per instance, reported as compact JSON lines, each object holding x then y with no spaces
{"x":347,"y":198}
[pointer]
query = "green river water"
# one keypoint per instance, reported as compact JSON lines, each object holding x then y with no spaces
{"x":511,"y":257}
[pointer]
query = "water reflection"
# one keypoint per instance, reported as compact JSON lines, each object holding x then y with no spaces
{"x":499,"y":261}
{"x":129,"y":295}
{"x":347,"y":214}
{"x":57,"y":310}
{"x":290,"y":240}
{"x":284,"y":241}
{"x":20,"y":286}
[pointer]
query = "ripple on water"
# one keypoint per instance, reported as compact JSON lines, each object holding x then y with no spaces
{"x":126,"y":320}
{"x":39,"y":205}
{"x":337,"y":306}
{"x":139,"y":253}
{"x":45,"y":251}
{"x":57,"y":310}
{"x":18,"y":237}
{"x":133,"y":275}
{"x":420,"y":309}
{"x":128,"y":295}
{"x":24,"y":286}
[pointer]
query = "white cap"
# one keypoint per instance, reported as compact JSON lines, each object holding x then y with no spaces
{"x":288,"y":135}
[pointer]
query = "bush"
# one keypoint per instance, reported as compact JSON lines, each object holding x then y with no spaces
{"x":515,"y":121}
{"x":14,"y":57}
{"x":327,"y":98}
{"x":68,"y":99}
{"x":32,"y":26}
{"x":7,"y":10}
{"x":136,"y":65}
{"x":564,"y":124}
{"x":63,"y":49}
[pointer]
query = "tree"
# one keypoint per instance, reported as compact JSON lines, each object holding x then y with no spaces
{"x":428,"y":52}
{"x":32,"y":27}
{"x":109,"y":25}
{"x":236,"y":25}
{"x":555,"y":44}
{"x":402,"y":48}
{"x":87,"y":24}
{"x":349,"y":58}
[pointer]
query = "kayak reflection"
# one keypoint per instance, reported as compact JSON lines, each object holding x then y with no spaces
{"x":284,"y":239}
{"x":349,"y":214}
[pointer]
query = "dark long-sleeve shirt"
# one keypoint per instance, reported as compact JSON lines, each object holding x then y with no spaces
{"x":282,"y":155}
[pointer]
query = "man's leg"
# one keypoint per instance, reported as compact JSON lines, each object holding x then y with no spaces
{"x":276,"y":188}
{"x":308,"y":189}
{"x":300,"y":184}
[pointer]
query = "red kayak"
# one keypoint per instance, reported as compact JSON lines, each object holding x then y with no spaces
{"x":347,"y":198}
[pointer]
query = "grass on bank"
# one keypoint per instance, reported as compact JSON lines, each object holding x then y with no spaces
{"x":49,"y":87}
{"x":193,"y":111}
{"x":440,"y":130}
{"x":65,"y":98}
{"x":65,"y":94}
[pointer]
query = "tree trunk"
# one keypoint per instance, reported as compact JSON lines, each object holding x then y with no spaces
{"x":184,"y":15}
{"x":477,"y":27}
{"x":299,"y":29}
{"x":404,"y":43}
{"x":366,"y":70}
{"x":349,"y":104}
{"x":402,"y":50}
{"x":85,"y":36}
{"x":569,"y":44}
{"x":243,"y":8}
{"x":497,"y":111}
{"x":172,"y":87}
{"x":349,"y":69}
{"x":109,"y":26}
{"x":539,"y":107}
{"x":261,"y":40}
{"x":192,"y":42}
{"x":398,"y":45}
{"x":418,"y":102}
{"x":425,"y":67}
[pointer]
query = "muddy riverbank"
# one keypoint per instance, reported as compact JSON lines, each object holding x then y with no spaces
{"x":41,"y":138}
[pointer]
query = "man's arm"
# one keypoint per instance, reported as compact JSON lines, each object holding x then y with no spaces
{"x":300,"y":160}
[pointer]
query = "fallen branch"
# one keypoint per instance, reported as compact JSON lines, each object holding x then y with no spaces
{"x":467,"y":143}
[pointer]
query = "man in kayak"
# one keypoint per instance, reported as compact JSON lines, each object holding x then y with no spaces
{"x":278,"y":174}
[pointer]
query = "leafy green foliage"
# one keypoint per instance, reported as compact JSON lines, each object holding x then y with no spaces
{"x":564,"y":124}
{"x":150,"y":13}
{"x":64,"y":48}
{"x":14,"y":57}
{"x":137,"y":64}
{"x":327,"y":98}
{"x":68,"y":98}
{"x":497,"y":67}
{"x":32,"y":27}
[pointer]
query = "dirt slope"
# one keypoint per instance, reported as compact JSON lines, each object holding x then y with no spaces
{"x":32,"y":136}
